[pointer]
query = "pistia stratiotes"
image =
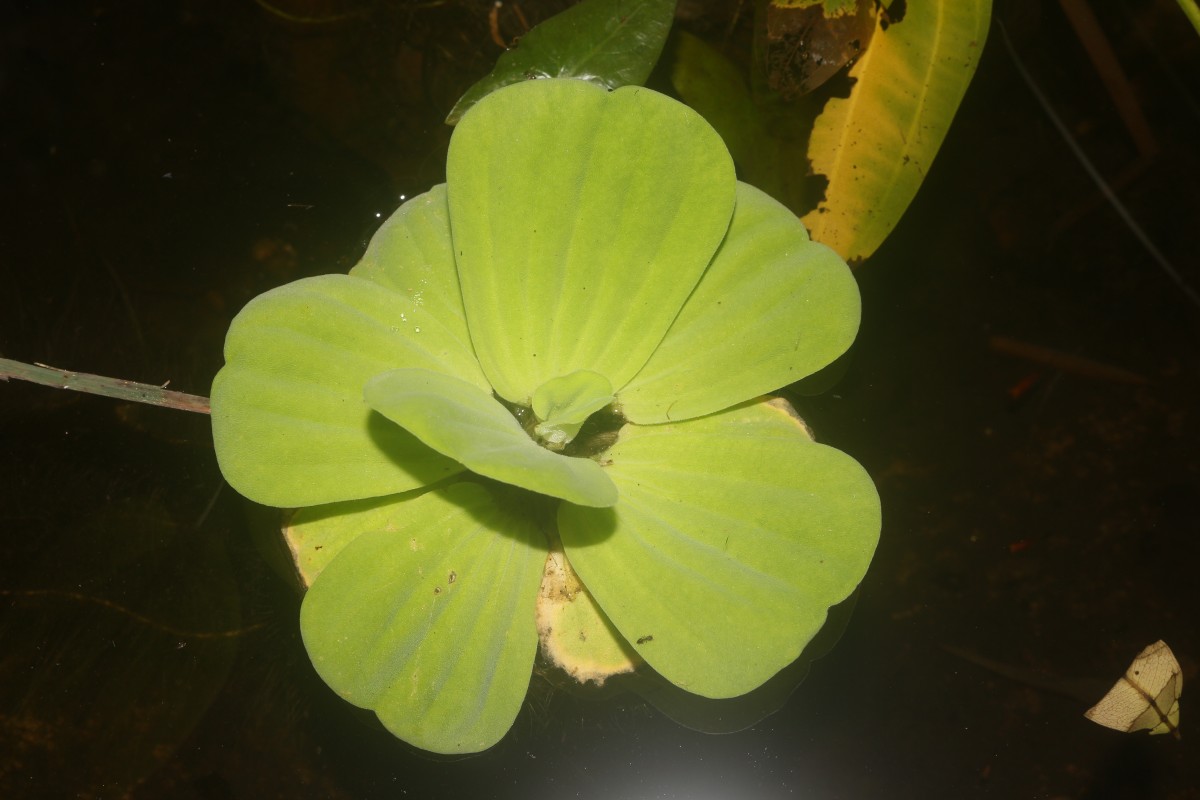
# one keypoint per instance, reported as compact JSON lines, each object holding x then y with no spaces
{"x":563,"y":349}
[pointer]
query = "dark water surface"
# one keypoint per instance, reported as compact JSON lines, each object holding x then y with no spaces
{"x":163,"y":162}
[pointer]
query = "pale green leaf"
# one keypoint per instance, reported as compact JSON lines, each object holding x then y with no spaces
{"x":289,"y":423}
{"x":733,"y":536}
{"x":582,"y":220}
{"x":462,"y":422}
{"x":316,"y":534}
{"x":793,"y":304}
{"x":563,"y":404}
{"x":427,"y":616}
{"x":411,"y":253}
{"x":876,"y":146}
{"x":609,"y":42}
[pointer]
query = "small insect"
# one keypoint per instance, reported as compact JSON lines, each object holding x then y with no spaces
{"x":453,"y":577}
{"x":645,"y":639}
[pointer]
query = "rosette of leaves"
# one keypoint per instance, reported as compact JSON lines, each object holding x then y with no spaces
{"x":565,"y":348}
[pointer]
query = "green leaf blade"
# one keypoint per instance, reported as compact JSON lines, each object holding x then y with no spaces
{"x":705,"y":531}
{"x":461,"y":422}
{"x":289,"y":424}
{"x":411,"y":253}
{"x":610,"y":42}
{"x":430,"y":623}
{"x":587,"y":269}
{"x":794,"y":306}
{"x":564,"y":404}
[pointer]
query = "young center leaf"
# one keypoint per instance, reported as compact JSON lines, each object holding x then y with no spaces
{"x":563,"y":404}
{"x":464,"y":423}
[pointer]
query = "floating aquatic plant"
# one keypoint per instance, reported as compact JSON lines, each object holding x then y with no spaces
{"x":536,"y":409}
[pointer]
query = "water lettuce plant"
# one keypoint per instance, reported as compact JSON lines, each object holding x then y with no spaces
{"x":554,"y":363}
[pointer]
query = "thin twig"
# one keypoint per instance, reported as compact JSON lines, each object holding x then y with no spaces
{"x":181,"y":633}
{"x":1123,"y":212}
{"x":1065,"y":362}
{"x":98,"y":384}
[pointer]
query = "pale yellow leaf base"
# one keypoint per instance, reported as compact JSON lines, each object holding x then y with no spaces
{"x":575,"y":635}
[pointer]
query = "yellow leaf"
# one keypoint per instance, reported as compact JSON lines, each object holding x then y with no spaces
{"x":875,"y":147}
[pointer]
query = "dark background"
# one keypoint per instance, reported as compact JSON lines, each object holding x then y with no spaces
{"x":164,"y":161}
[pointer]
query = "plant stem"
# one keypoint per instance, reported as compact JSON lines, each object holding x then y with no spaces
{"x":98,"y":384}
